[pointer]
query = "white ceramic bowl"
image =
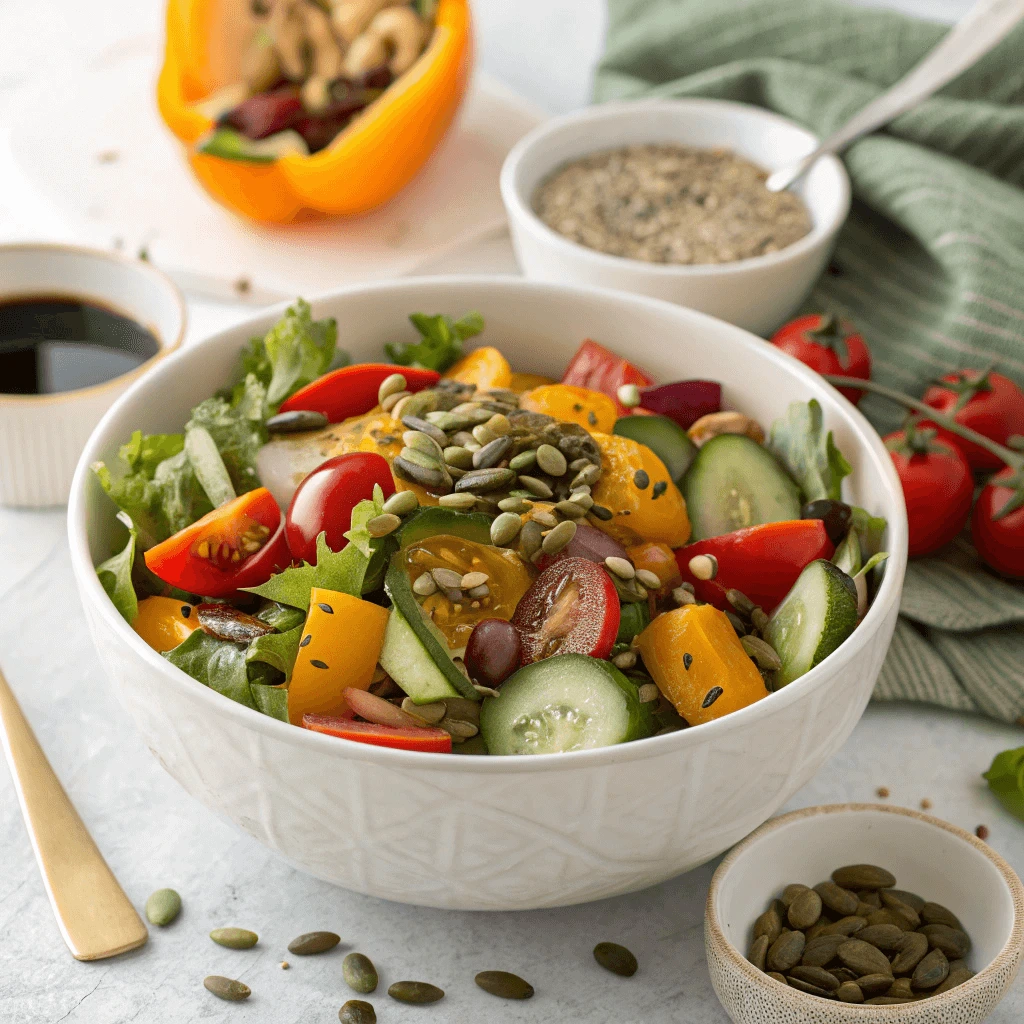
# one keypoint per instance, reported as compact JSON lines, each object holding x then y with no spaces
{"x":938,"y":861}
{"x":496,"y":833}
{"x":759,"y":293}
{"x":41,"y":436}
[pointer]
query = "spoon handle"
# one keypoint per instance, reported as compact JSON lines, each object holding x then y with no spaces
{"x":93,"y":913}
{"x":985,"y":24}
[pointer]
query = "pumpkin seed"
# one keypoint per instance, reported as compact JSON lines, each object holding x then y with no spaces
{"x":483,"y":480}
{"x":227,"y":988}
{"x":447,"y":579}
{"x":959,"y":972}
{"x":863,"y":876}
{"x":814,"y":976}
{"x":822,"y":950}
{"x":163,"y":907}
{"x":791,"y":892}
{"x":357,"y":1011}
{"x":625,"y":661}
{"x":602,"y":513}
{"x":359,"y":973}
{"x":551,"y":460}
{"x":954,"y":942}
{"x":817,"y":928}
{"x":804,"y":910}
{"x":804,"y":986}
{"x":234,"y":938}
{"x":681,"y":596}
{"x":931,"y":971}
{"x":935,"y":913}
{"x":425,"y":427}
{"x":505,"y":528}
{"x":849,"y":992}
{"x":313,"y":942}
{"x":456,"y":455}
{"x":884,"y":1001}
{"x":535,"y":486}
{"x":882,"y":936}
{"x":571,"y":510}
{"x":842,"y":974}
{"x":492,"y":453}
{"x":391,"y":385}
{"x":466,"y":407}
{"x":447,"y":421}
{"x":298,"y":419}
{"x":514,"y":504}
{"x":909,"y":899}
{"x":474,"y":579}
{"x":909,"y":953}
{"x":524,"y":460}
{"x":415,"y":992}
{"x":785,"y":952}
{"x":648,"y":579}
{"x":430,"y":713}
{"x":458,"y":730}
{"x":777,"y":976}
{"x":765,"y":658}
{"x":615,"y":958}
{"x":401,"y":503}
{"x":530,"y":539}
{"x":422,"y":442}
{"x":558,"y":538}
{"x":499,"y":424}
{"x":871,"y":898}
{"x":392,"y":402}
{"x":432,"y":476}
{"x":839,"y":900}
{"x":382,"y":525}
{"x":504,"y":985}
{"x":588,"y":475}
{"x":460,"y":500}
{"x":863,"y":959}
{"x":584,"y":500}
{"x":703,"y":567}
{"x":887,"y":916}
{"x":874,"y":984}
{"x":483,"y":435}
{"x":901,"y":989}
{"x":902,"y":910}
{"x":770,"y":922}
{"x":424,"y":585}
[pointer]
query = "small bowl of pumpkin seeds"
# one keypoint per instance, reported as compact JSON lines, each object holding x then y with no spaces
{"x":862,"y":912}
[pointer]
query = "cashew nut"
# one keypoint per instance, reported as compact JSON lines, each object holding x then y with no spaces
{"x":316,"y":94}
{"x":403,"y":32}
{"x":287,"y":29}
{"x":366,"y":52}
{"x":351,"y":17}
{"x":327,"y":56}
{"x":716,"y":423}
{"x":260,"y":66}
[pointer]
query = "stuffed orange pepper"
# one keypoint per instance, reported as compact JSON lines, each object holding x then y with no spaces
{"x":297,"y":108}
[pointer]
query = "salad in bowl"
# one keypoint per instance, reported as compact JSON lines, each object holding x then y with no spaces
{"x":444,"y":552}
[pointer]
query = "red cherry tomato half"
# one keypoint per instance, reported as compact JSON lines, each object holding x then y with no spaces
{"x":989,"y":403}
{"x":762,"y":562}
{"x":240,"y":544}
{"x":571,"y":608}
{"x":827,"y":345}
{"x":435,"y":741}
{"x":998,"y":530}
{"x":594,"y":367}
{"x":323,"y":502}
{"x":352,"y":390}
{"x":937,"y":487}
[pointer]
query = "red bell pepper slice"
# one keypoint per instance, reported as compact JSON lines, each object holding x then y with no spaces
{"x":240,"y":544}
{"x":594,"y":367}
{"x":352,"y":390}
{"x":762,"y":562}
{"x":430,"y":741}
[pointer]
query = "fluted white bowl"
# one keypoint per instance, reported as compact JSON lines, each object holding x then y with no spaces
{"x":496,"y":833}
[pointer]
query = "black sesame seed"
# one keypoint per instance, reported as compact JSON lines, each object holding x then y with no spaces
{"x":713,"y":694}
{"x":641,"y":479}
{"x":186,"y":610}
{"x":305,"y":640}
{"x":317,"y":663}
{"x":577,"y":407}
{"x":687,"y":661}
{"x":325,"y":607}
{"x":592,"y":418}
{"x":659,"y":489}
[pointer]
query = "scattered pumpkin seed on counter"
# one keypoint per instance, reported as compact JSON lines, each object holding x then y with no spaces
{"x":615,"y":958}
{"x":163,"y":907}
{"x":313,"y":942}
{"x":227,"y":988}
{"x":234,"y":938}
{"x":418,"y":992}
{"x":359,"y":973}
{"x":504,"y":985}
{"x":357,"y":1011}
{"x":858,"y":939}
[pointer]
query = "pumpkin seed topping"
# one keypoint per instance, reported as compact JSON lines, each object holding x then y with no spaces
{"x":524,"y":460}
{"x":515,"y":504}
{"x":458,"y":456}
{"x":504,"y":985}
{"x":415,"y":992}
{"x":758,"y":951}
{"x":615,"y":958}
{"x":536,"y":486}
{"x":704,"y":567}
{"x":551,"y":460}
{"x":359,"y":973}
{"x":424,"y":585}
{"x":295,"y":421}
{"x":805,"y":910}
{"x":682,"y":596}
{"x":621,"y":567}
{"x":422,"y":442}
{"x":357,"y":1011}
{"x":401,"y":503}
{"x":447,"y":579}
{"x":849,"y":992}
{"x":234,"y":938}
{"x":163,"y":907}
{"x":931,"y":971}
{"x":382,"y":525}
{"x":313,"y":942}
{"x":425,"y":427}
{"x":766,"y":658}
{"x":505,"y":527}
{"x":785,"y":952}
{"x":391,"y":385}
{"x":558,"y":538}
{"x":227,"y":988}
{"x":530,"y":539}
{"x":863,"y":876}
{"x":474,"y":579}
{"x":461,"y":500}
{"x":648,"y":579}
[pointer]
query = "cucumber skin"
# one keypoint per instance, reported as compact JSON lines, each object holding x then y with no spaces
{"x":660,"y":434}
{"x":399,"y":589}
{"x":396,"y":656}
{"x":843,"y":591}
{"x":704,"y":517}
{"x":431,"y":520}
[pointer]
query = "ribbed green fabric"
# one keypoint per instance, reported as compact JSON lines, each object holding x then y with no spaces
{"x":930,"y":264}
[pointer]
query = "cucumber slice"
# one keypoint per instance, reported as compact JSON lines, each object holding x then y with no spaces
{"x":569,"y":702}
{"x":815,"y":617}
{"x":734,"y":482}
{"x":209,"y":467}
{"x":399,"y":589}
{"x":664,"y":437}
{"x":405,"y":658}
{"x":430,"y":521}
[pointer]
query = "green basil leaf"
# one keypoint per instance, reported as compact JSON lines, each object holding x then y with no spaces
{"x":116,"y":575}
{"x":440,"y":344}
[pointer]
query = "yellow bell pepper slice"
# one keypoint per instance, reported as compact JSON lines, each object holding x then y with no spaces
{"x":164,"y":623}
{"x":340,"y":646}
{"x":485,"y":367}
{"x":592,"y":410}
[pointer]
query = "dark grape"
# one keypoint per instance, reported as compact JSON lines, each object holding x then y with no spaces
{"x":493,"y":652}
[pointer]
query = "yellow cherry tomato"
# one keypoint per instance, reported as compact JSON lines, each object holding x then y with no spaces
{"x":164,"y":623}
{"x":592,"y":410}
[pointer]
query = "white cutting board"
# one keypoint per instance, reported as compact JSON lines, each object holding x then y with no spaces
{"x":87,"y":159}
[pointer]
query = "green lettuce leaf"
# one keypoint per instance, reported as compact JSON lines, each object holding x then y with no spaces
{"x":1006,"y":780}
{"x":440,"y":344}
{"x":801,"y":443}
{"x":290,"y":587}
{"x":272,"y":701}
{"x":116,"y":575}
{"x":280,"y":616}
{"x":278,"y":650}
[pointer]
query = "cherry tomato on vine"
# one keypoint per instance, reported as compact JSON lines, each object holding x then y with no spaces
{"x":323,"y":502}
{"x":937,"y":486}
{"x":986,"y":402}
{"x":828,"y":345}
{"x":997,"y":526}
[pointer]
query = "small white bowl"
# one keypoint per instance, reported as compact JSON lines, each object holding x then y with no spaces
{"x":41,"y":436}
{"x":757,"y":294}
{"x":938,"y":861}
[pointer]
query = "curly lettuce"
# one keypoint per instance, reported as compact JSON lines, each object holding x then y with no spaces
{"x":440,"y":344}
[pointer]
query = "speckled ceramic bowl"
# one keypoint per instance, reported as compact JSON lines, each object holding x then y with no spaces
{"x":937,"y":860}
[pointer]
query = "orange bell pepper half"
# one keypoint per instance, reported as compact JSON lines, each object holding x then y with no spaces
{"x":368,"y":163}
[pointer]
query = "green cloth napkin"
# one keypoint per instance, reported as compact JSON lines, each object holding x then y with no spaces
{"x":930,"y":264}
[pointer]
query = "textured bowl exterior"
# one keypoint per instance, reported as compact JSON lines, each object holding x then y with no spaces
{"x":495,"y":833}
{"x":749,"y":996}
{"x":757,"y":294}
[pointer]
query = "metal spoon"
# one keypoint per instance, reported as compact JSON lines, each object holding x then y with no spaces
{"x":93,"y":913}
{"x":984,"y":25}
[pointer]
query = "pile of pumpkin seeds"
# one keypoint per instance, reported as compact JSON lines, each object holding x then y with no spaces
{"x":858,"y":939}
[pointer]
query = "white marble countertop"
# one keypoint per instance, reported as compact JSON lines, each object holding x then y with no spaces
{"x":154,"y":835}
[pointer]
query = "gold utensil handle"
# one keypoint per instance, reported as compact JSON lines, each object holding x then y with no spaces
{"x":95,"y":916}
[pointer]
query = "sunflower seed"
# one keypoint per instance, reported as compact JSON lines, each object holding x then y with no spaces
{"x":571,"y":510}
{"x":357,"y":1011}
{"x":504,"y":985}
{"x":391,"y":385}
{"x":863,"y":876}
{"x":518,"y":505}
{"x":393,"y":401}
{"x":382,"y":525}
{"x":163,"y":907}
{"x":424,"y":585}
{"x":296,"y":420}
{"x":422,"y":442}
{"x":484,"y":480}
{"x":785,"y":952}
{"x":648,"y":579}
{"x":764,"y":655}
{"x":234,"y":938}
{"x":536,"y":486}
{"x":401,"y":503}
{"x":804,"y":910}
{"x":530,"y":539}
{"x":558,"y":538}
{"x":615,"y":958}
{"x":415,"y":992}
{"x":492,"y":453}
{"x":759,"y":619}
{"x":931,"y":971}
{"x":461,"y":501}
{"x":227,"y":988}
{"x":551,"y":460}
{"x":703,"y":567}
{"x":505,"y":528}
{"x":456,"y":455}
{"x":910,"y":952}
{"x":359,"y":973}
{"x":425,"y":427}
{"x":862,"y":958}
{"x":447,"y":579}
{"x":313,"y":942}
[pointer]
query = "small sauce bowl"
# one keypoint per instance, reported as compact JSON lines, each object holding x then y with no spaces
{"x":936,"y":860}
{"x":758,"y":293}
{"x":42,"y":435}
